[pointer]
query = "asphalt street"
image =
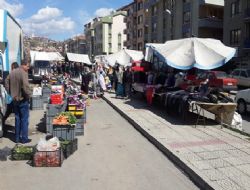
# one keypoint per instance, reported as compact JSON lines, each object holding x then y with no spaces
{"x":111,"y":155}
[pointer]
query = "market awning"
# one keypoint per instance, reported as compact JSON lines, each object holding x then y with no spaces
{"x":45,"y":56}
{"x":124,"y":57}
{"x":80,"y":58}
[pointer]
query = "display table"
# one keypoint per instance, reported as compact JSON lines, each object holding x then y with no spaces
{"x":224,"y":112}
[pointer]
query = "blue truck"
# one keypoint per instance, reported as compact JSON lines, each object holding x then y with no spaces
{"x":11,"y":50}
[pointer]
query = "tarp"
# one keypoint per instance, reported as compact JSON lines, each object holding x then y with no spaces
{"x":186,"y":53}
{"x":45,"y":56}
{"x":124,"y":57}
{"x":80,"y":58}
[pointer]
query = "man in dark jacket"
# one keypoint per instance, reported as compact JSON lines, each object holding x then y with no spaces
{"x":20,"y":92}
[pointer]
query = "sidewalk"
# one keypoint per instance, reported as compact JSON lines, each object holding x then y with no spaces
{"x":212,"y":157}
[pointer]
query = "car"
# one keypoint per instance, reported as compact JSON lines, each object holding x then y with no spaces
{"x":242,"y":99}
{"x":243,"y":77}
{"x":217,"y":79}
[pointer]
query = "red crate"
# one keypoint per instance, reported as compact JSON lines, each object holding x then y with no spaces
{"x":56,"y":98}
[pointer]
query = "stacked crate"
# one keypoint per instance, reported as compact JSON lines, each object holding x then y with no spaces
{"x":52,"y":111}
{"x":36,"y":103}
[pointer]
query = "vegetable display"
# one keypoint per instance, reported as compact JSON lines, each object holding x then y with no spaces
{"x":64,"y":118}
{"x":22,"y":152}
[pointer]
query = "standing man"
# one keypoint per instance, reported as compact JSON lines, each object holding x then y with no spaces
{"x":10,"y":104}
{"x":20,"y":92}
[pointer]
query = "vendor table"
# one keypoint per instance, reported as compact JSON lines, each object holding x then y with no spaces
{"x":223,"y":112}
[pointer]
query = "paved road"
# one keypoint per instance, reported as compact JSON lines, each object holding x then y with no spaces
{"x":112,"y":155}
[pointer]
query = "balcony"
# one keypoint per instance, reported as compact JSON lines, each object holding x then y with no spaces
{"x":247,"y":43}
{"x":211,"y":22}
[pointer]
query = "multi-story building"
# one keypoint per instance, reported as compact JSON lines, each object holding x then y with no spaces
{"x":174,"y":19}
{"x":237,"y":29}
{"x":105,"y":35}
{"x":76,"y":44}
{"x":135,"y":22}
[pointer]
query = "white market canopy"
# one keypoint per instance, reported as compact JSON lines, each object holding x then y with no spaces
{"x":124,"y":57}
{"x":45,"y":56}
{"x":184,"y":54}
{"x":80,"y":58}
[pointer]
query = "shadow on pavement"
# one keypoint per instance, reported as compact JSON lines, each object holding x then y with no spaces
{"x":5,"y":153}
{"x":41,"y":126}
{"x":158,"y":109}
{"x":246,"y":116}
{"x":9,"y":132}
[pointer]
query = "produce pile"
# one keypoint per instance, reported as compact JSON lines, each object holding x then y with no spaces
{"x":20,"y":152}
{"x":64,"y":118}
{"x":47,"y":159}
{"x":78,"y":100}
{"x":48,"y":153}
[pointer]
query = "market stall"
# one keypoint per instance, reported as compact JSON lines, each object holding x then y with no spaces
{"x":185,"y":54}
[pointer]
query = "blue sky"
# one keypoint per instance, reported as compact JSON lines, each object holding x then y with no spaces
{"x":58,"y":19}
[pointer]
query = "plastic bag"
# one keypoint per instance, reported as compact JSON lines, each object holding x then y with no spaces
{"x":50,"y":145}
{"x":237,"y":121}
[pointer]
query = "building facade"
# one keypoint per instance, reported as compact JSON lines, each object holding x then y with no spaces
{"x":76,"y":44}
{"x":237,"y":29}
{"x":175,"y":19}
{"x":135,"y":24}
{"x":105,"y":35}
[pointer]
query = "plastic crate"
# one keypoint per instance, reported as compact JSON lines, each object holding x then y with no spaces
{"x":66,"y":132}
{"x":54,"y":109}
{"x":36,"y":103}
{"x":49,"y":127}
{"x":16,"y":155}
{"x":80,"y":127}
{"x":56,"y":99}
{"x":69,"y":147}
{"x":48,"y":158}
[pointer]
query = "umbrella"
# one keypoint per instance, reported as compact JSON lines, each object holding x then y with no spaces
{"x":202,"y":53}
{"x":124,"y":57}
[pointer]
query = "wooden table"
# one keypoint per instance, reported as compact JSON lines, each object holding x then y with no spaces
{"x":223,"y":112}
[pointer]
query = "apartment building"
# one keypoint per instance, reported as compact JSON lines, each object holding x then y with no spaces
{"x":76,"y":44}
{"x":89,"y":36}
{"x":237,"y":29}
{"x":105,"y":35}
{"x":135,"y":25}
{"x":175,"y":19}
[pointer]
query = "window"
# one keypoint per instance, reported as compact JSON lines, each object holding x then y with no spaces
{"x":164,"y":23}
{"x":139,"y":6}
{"x":139,"y":46}
{"x":248,"y":30}
{"x":139,"y":19}
{"x":186,"y":17}
{"x":248,"y":73}
{"x":248,"y":4}
{"x":154,"y":27}
{"x":154,"y":10}
{"x":235,"y":8}
{"x":243,"y":74}
{"x":139,"y":34}
{"x":236,"y":73}
{"x":235,"y":36}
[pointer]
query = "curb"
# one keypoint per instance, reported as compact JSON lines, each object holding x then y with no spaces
{"x":201,"y":183}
